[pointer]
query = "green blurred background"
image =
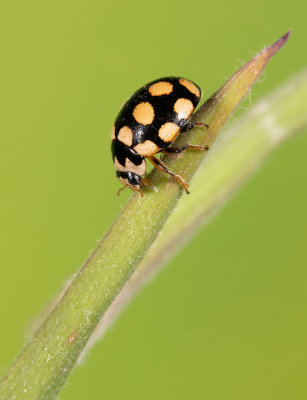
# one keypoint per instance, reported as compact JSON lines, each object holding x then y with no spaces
{"x":227,"y":318}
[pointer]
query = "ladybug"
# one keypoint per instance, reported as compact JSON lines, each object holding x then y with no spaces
{"x":148,"y":123}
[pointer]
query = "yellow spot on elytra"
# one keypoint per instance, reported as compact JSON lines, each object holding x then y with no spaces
{"x":125,"y":135}
{"x":130,"y":166}
{"x":168,"y":131}
{"x":190,"y":86}
{"x":137,"y":169}
{"x":184,"y":108}
{"x":148,"y":148}
{"x":144,"y":113}
{"x":118,"y":166}
{"x":160,"y":88}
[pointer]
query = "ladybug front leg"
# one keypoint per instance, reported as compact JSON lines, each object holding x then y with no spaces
{"x":133,"y":188}
{"x":186,"y":128}
{"x":162,"y":167}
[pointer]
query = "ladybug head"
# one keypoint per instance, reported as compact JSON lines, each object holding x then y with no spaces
{"x":129,"y":179}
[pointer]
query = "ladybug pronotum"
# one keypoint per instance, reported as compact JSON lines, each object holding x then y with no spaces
{"x":148,"y":123}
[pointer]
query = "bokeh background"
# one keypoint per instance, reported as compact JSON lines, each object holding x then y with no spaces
{"x":227,"y":318}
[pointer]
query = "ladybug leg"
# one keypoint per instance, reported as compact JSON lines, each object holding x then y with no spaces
{"x":146,"y":182}
{"x":135,"y":189}
{"x":162,"y":167}
{"x":186,"y":128}
{"x":119,"y":190}
{"x":184,"y":148}
{"x":191,"y":125}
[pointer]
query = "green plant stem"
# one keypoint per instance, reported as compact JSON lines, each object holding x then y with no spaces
{"x":242,"y":148}
{"x":42,"y":367}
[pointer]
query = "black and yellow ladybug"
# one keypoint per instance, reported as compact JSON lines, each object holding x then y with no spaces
{"x":148,"y":123}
